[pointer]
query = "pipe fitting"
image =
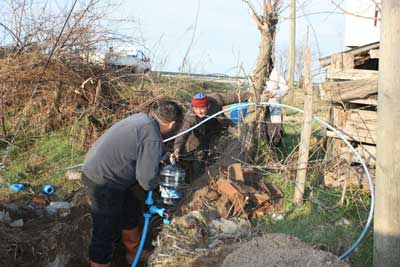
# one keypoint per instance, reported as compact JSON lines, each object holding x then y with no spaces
{"x":48,"y":189}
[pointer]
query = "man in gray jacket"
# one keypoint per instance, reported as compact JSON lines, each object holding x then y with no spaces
{"x":126,"y":154}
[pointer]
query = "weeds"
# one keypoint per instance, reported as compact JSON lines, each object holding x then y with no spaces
{"x":41,"y":162}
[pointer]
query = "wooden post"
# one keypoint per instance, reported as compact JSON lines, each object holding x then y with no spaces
{"x":387,"y":207}
{"x":292,"y":43}
{"x":305,"y":132}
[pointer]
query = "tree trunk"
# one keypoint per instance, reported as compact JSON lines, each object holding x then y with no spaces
{"x":266,"y":24}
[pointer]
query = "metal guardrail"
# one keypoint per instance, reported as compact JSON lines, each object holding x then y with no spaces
{"x":199,"y":76}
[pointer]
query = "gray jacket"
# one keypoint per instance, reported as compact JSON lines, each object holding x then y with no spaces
{"x":129,"y":151}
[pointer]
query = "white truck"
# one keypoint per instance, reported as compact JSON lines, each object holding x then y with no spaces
{"x":131,"y":59}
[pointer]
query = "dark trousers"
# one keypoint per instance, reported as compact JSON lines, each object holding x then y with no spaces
{"x":112,"y":210}
{"x":274,"y":133}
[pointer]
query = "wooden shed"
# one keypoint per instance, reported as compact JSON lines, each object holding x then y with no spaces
{"x":352,"y":89}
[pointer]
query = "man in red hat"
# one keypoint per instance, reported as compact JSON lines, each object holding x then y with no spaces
{"x":196,"y":142}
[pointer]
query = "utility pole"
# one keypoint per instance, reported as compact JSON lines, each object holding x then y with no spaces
{"x":387,"y":208}
{"x":304,"y":148}
{"x":292,"y":42}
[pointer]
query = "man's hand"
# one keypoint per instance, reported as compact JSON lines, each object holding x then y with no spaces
{"x":267,"y":94}
{"x":175,"y":155}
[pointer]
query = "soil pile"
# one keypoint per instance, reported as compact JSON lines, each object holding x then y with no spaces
{"x":279,"y":250}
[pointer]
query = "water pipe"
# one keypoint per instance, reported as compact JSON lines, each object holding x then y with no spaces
{"x":48,"y":189}
{"x":330,"y":127}
{"x":147,"y":216}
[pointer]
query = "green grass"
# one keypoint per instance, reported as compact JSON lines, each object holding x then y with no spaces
{"x":40,"y":162}
{"x":322,"y":222}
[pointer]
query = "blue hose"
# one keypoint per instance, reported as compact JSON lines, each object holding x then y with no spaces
{"x":147,"y":217}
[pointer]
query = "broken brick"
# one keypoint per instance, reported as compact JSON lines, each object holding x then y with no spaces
{"x":227,"y":188}
{"x":235,"y":172}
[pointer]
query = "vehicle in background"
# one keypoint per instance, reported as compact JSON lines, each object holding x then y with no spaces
{"x":133,"y":60}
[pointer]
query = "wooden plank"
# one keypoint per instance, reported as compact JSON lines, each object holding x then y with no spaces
{"x":348,"y":90}
{"x":355,"y":124}
{"x":360,"y":118}
{"x":355,"y":176}
{"x":367,"y":152}
{"x":336,"y":61}
{"x":342,"y":61}
{"x":368,"y":101}
{"x":351,"y":74}
{"x":360,"y":136}
{"x":326,"y":61}
{"x":304,"y":148}
{"x":348,"y":61}
{"x":340,"y":150}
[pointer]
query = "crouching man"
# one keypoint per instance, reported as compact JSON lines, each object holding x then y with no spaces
{"x":126,"y":154}
{"x":196,"y":143}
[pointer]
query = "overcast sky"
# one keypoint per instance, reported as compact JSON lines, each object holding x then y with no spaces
{"x":224,"y":34}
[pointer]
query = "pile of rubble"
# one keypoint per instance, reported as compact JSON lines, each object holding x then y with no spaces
{"x":215,"y":214}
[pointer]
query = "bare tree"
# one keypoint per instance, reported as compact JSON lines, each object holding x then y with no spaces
{"x":266,"y":22}
{"x":44,"y":59}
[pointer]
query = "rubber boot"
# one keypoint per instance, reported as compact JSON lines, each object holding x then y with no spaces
{"x":94,"y":264}
{"x":131,"y":239}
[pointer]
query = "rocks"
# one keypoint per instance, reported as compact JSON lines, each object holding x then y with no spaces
{"x":190,"y":220}
{"x":60,"y":207}
{"x":6,"y":219}
{"x":17,"y":223}
{"x":73,"y":175}
{"x":234,"y":228}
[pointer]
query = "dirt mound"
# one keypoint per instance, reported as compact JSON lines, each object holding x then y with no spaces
{"x":279,"y":250}
{"x":46,"y":240}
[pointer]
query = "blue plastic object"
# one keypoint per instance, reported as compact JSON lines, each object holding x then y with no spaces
{"x":149,"y":200}
{"x":156,"y":210}
{"x":147,"y":216}
{"x":239,"y":112}
{"x":17,"y":187}
{"x":48,"y":189}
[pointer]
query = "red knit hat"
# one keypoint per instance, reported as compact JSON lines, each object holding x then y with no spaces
{"x":200,"y":101}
